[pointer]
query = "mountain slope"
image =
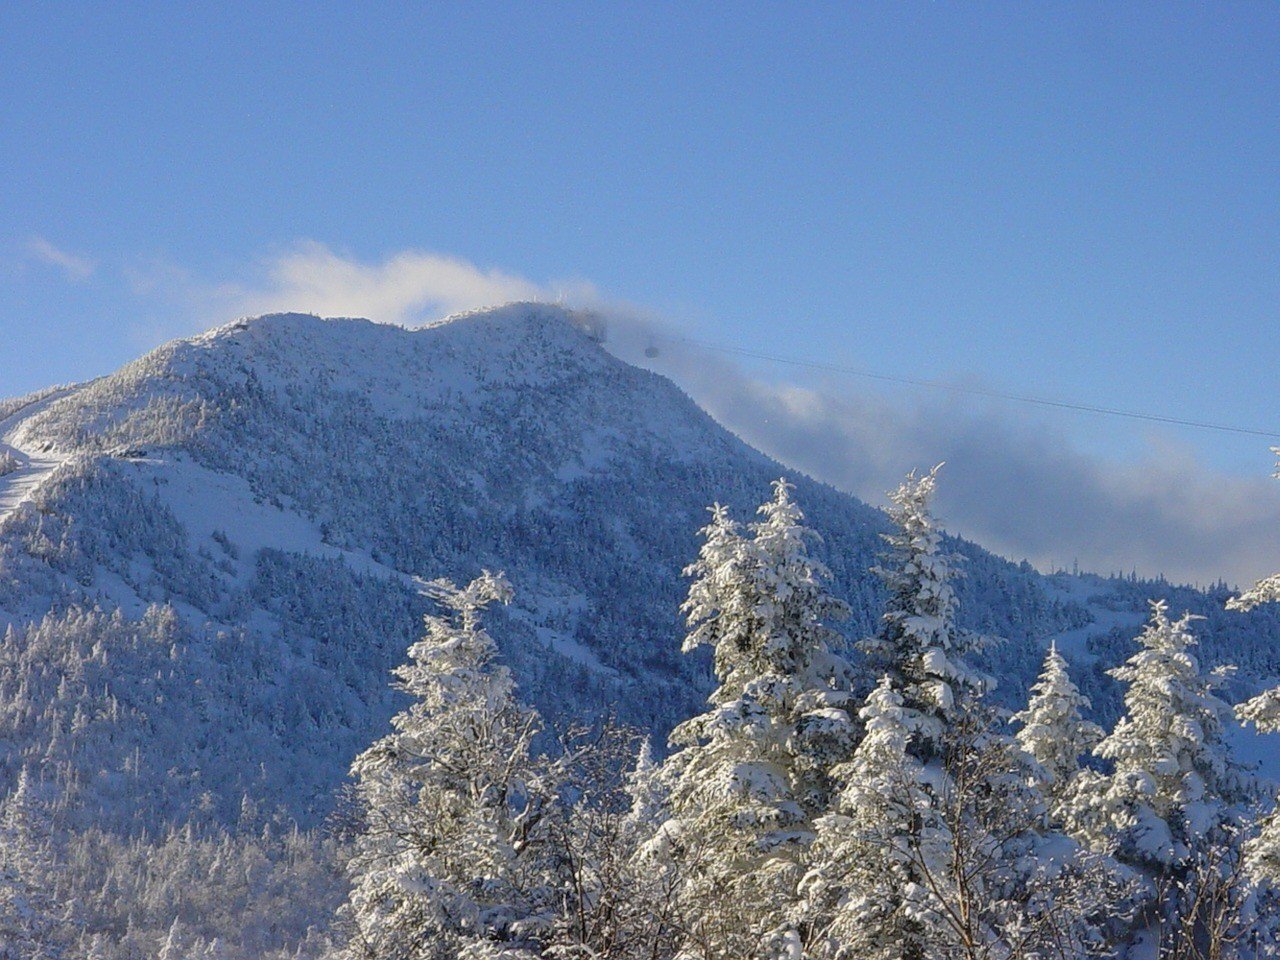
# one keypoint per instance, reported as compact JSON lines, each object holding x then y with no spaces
{"x":279,"y":483}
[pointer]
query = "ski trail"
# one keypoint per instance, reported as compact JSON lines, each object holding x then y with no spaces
{"x":18,"y":485}
{"x":1092,"y":593}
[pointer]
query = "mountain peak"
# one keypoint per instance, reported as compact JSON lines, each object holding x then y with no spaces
{"x":398,"y":371}
{"x":529,"y":315}
{"x":508,"y":322}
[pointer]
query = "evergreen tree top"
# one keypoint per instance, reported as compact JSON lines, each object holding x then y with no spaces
{"x":760,"y":601}
{"x":919,"y":643}
{"x":1173,"y":771}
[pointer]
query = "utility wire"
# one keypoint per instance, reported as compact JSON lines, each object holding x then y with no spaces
{"x":976,"y":391}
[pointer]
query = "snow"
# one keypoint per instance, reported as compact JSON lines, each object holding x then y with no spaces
{"x":18,"y":486}
{"x":1093,"y":593}
{"x":35,"y":465}
{"x":281,"y":482}
{"x":1099,"y":596}
{"x":209,"y":503}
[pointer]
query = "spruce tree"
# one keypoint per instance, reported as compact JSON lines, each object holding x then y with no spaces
{"x":919,"y":646}
{"x":175,"y":945}
{"x":754,"y":770}
{"x":1173,"y":782}
{"x":1052,"y":729}
{"x":1262,"y":850}
{"x":948,"y":859}
{"x":447,"y":865}
{"x":647,"y":792}
{"x":33,"y":926}
{"x":858,"y":895}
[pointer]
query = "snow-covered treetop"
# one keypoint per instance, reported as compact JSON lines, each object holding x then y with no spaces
{"x":754,"y":770}
{"x":647,"y":790}
{"x":881,"y":765}
{"x":1263,"y":711}
{"x":456,"y":652}
{"x":452,"y":798}
{"x":1170,"y":743}
{"x":467,"y":602}
{"x":1053,"y":729}
{"x":919,"y":645}
{"x":759,"y":602}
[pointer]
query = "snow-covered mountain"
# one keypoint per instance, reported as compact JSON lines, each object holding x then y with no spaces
{"x":208,"y":558}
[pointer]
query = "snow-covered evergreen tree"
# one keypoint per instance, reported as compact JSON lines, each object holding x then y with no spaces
{"x":1173,"y":782}
{"x":919,"y":645}
{"x":447,"y":866}
{"x":858,"y":895}
{"x":647,"y":791}
{"x":936,"y":847}
{"x":1052,"y":728}
{"x":755,"y":769}
{"x":175,"y":946}
{"x":1263,"y":711}
{"x":1262,"y":850}
{"x":33,"y":925}
{"x":947,"y":859}
{"x":1223,"y":899}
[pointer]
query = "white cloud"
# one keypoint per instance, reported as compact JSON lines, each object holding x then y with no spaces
{"x":410,"y":287}
{"x":75,"y":268}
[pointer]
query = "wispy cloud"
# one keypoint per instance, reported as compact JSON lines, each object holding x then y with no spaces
{"x":1012,"y":482}
{"x":410,"y":287}
{"x":75,"y":268}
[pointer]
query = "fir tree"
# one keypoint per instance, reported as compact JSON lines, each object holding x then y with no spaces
{"x":647,"y":791}
{"x":919,"y":645}
{"x":1173,"y":782}
{"x":447,"y":864}
{"x":755,"y":769}
{"x":1052,"y":729}
{"x":175,"y":943}
{"x":1262,"y":850}
{"x":947,"y":859}
{"x":857,"y":896}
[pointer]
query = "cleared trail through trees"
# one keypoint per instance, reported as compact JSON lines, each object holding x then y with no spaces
{"x":19,"y":485}
{"x":22,"y":471}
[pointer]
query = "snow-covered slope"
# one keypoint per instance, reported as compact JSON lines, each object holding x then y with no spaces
{"x":22,"y":470}
{"x":279,"y":483}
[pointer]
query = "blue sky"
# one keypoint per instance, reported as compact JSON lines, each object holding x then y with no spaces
{"x":1080,"y":201}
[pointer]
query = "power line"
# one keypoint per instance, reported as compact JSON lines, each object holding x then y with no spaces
{"x":976,"y":391}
